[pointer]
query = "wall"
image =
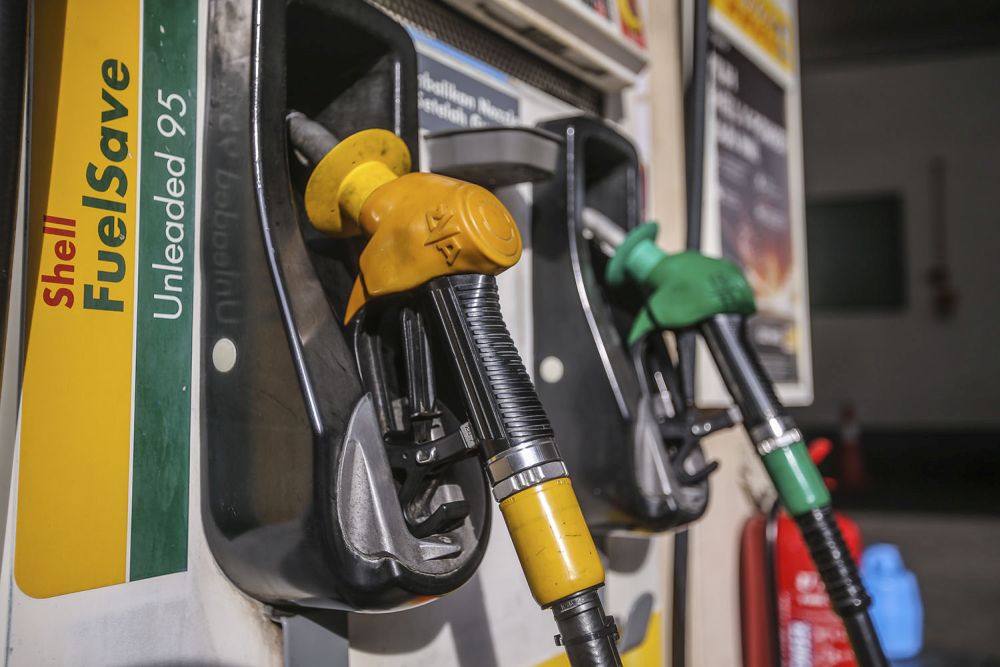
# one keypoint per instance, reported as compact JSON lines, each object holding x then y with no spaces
{"x":876,"y":127}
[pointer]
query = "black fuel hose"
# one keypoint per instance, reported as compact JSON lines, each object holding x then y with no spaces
{"x":587,"y":634}
{"x":523,"y":416}
{"x":843,"y":583}
{"x":800,"y":486}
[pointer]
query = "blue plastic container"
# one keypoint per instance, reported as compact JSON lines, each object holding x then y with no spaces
{"x":896,"y":608}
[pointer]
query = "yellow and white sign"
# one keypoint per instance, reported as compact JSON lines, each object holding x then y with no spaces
{"x":102,"y":486}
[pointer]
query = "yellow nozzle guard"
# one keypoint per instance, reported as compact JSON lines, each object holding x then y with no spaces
{"x":552,"y":541}
{"x":424,"y":226}
{"x":343,"y":180}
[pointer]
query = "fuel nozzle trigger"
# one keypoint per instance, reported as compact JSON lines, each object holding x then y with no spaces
{"x":679,"y":424}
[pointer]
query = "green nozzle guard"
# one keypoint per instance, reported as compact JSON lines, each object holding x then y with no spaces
{"x":685,"y":289}
{"x":635,"y":257}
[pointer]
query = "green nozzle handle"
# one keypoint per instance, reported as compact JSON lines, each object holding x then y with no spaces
{"x":684,"y":289}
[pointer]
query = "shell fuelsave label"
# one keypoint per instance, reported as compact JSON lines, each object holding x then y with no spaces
{"x":105,"y":408}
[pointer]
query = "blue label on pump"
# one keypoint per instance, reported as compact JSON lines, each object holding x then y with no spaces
{"x":457,"y":91}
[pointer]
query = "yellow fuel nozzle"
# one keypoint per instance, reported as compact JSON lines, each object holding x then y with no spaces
{"x":346,"y":176}
{"x":422,"y":226}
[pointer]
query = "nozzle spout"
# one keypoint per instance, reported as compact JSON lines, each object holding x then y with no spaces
{"x":604,"y":229}
{"x":587,"y":634}
{"x":309,"y":138}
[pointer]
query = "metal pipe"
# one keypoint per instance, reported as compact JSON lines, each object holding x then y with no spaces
{"x":603,"y":228}
{"x":309,"y":138}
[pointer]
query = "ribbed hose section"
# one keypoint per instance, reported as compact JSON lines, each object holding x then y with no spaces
{"x":833,"y":560}
{"x":523,"y":417}
{"x":843,"y":583}
{"x":585,"y":632}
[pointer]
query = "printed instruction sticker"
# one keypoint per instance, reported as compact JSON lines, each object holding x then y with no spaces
{"x":449,"y":98}
{"x":754,"y":206}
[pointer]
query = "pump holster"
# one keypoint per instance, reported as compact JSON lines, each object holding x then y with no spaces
{"x":333,"y":474}
{"x":631,"y":448}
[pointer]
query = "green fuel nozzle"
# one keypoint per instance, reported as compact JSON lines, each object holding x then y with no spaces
{"x":684,"y":289}
{"x":688,"y":289}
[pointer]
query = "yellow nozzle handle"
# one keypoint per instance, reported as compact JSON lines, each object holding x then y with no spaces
{"x":422,"y":226}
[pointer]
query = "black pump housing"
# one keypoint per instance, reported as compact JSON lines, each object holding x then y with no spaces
{"x":605,"y":409}
{"x":300,"y":501}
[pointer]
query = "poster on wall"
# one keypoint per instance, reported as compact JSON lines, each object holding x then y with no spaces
{"x":753,"y":197}
{"x":599,"y":7}
{"x":751,"y":143}
{"x":626,"y":13}
{"x":630,"y":22}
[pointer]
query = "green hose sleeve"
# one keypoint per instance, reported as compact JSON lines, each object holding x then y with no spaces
{"x":800,"y":486}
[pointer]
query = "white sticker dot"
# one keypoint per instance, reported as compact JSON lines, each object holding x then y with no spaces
{"x":224,"y":355}
{"x":551,"y":369}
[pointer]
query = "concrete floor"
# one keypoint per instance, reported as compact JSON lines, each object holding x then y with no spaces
{"x":957,"y":562}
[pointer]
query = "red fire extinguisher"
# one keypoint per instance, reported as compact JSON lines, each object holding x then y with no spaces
{"x":785,"y":607}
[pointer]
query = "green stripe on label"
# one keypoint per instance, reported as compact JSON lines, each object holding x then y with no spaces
{"x":160,"y":454}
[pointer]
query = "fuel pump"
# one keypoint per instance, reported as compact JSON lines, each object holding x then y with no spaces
{"x":634,"y":450}
{"x":342,"y":467}
{"x":689,"y":291}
